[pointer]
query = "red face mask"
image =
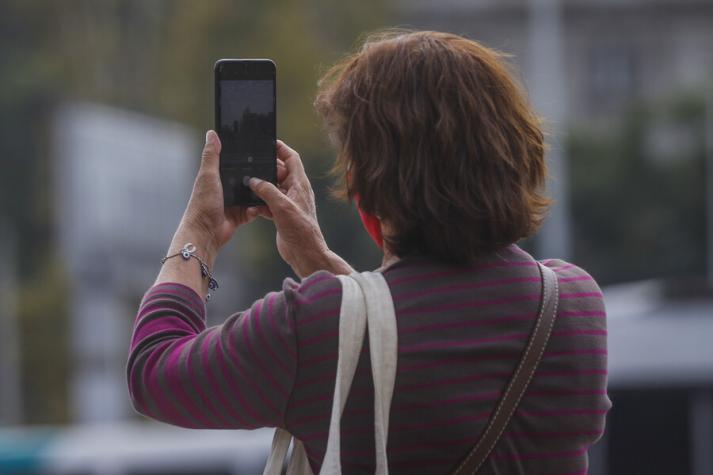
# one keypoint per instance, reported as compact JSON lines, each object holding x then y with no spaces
{"x":371,"y":224}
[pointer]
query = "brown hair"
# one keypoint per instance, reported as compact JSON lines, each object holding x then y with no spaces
{"x":438,"y":141}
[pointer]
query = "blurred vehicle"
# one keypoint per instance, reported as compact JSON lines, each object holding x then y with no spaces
{"x":132,"y":449}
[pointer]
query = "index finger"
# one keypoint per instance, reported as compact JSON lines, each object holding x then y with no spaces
{"x":292,"y":159}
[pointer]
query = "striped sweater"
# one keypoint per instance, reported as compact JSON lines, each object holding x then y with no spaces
{"x":461,"y":332}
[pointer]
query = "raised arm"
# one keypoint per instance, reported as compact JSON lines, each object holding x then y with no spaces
{"x":238,"y":374}
{"x":235,"y":375}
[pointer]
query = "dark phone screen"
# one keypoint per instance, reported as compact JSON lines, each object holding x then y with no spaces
{"x":247,"y":120}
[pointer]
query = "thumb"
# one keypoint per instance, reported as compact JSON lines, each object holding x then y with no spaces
{"x":210,"y":158}
{"x":275,"y":200}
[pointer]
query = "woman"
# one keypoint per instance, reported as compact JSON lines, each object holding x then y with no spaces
{"x":444,"y":156}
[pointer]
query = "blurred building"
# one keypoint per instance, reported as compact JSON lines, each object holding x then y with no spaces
{"x":614,"y":52}
{"x":122,"y":181}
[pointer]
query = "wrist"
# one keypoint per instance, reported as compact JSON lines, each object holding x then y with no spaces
{"x":324,"y":259}
{"x":199,"y":236}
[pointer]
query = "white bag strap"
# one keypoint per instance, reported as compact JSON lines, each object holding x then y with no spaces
{"x":352,"y":325}
{"x":298,"y":465}
{"x":383,"y":344}
{"x":278,"y":452}
{"x":365,"y":297}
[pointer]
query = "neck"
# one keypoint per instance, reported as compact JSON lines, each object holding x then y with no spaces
{"x":388,"y":259}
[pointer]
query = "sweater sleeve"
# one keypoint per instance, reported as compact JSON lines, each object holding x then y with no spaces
{"x":235,"y":375}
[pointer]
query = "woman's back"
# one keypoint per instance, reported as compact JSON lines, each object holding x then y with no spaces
{"x":461,"y":333}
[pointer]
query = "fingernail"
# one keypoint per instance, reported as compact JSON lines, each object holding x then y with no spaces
{"x":254,"y":181}
{"x":208,"y":137}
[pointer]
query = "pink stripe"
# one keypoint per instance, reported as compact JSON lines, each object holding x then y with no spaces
{"x":322,"y":337}
{"x":416,"y":465}
{"x":154,"y":328}
{"x":471,"y":304}
{"x":172,"y":307}
{"x":451,"y":381}
{"x":573,"y":372}
{"x":562,"y":268}
{"x":437,"y":424}
{"x":485,"y":396}
{"x":464,"y":324}
{"x":540,"y":455}
{"x":450,"y":272}
{"x":579,"y":295}
{"x":468,"y":286}
{"x":171,"y":372}
{"x":182,"y":291}
{"x":463,"y":359}
{"x":266,"y":344}
{"x":368,"y":427}
{"x":213,"y":382}
{"x":563,"y":412}
{"x":319,"y":359}
{"x":160,"y":305}
{"x":582,"y":313}
{"x":316,"y":380}
{"x":416,"y":447}
{"x":576,"y":278}
{"x":205,"y":401}
{"x":587,"y":351}
{"x":154,"y":390}
{"x":313,"y":281}
{"x":578,"y":332}
{"x":461,"y":343}
{"x":567,"y":392}
{"x":328,"y":377}
{"x":330,"y":312}
{"x":244,"y":326}
{"x":303,"y":299}
{"x":237,"y":362}
{"x":236,"y":390}
{"x":427,"y":276}
{"x":537,"y":435}
{"x":275,"y":330}
{"x":299,"y":404}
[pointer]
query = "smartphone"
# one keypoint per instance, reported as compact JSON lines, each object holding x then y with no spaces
{"x":245,"y":122}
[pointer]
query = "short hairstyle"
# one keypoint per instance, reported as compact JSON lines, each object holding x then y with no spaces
{"x":435,"y":137}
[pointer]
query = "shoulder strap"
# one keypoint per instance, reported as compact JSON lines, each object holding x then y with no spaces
{"x":383,"y":350}
{"x":366,"y":301}
{"x":521,"y":377}
{"x":352,"y":326}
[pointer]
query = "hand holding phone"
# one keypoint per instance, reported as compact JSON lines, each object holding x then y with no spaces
{"x":245,"y":108}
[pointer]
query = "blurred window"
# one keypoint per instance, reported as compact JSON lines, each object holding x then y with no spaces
{"x":613,"y":77}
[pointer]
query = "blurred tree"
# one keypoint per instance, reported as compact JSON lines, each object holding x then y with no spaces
{"x":43,"y":304}
{"x":638,"y":194}
{"x":154,"y":57}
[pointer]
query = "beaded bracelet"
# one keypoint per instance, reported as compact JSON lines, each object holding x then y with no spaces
{"x":188,"y":251}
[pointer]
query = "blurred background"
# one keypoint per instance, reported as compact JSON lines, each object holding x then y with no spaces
{"x":103,"y":106}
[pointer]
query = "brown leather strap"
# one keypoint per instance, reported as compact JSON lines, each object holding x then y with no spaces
{"x":521,"y":377}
